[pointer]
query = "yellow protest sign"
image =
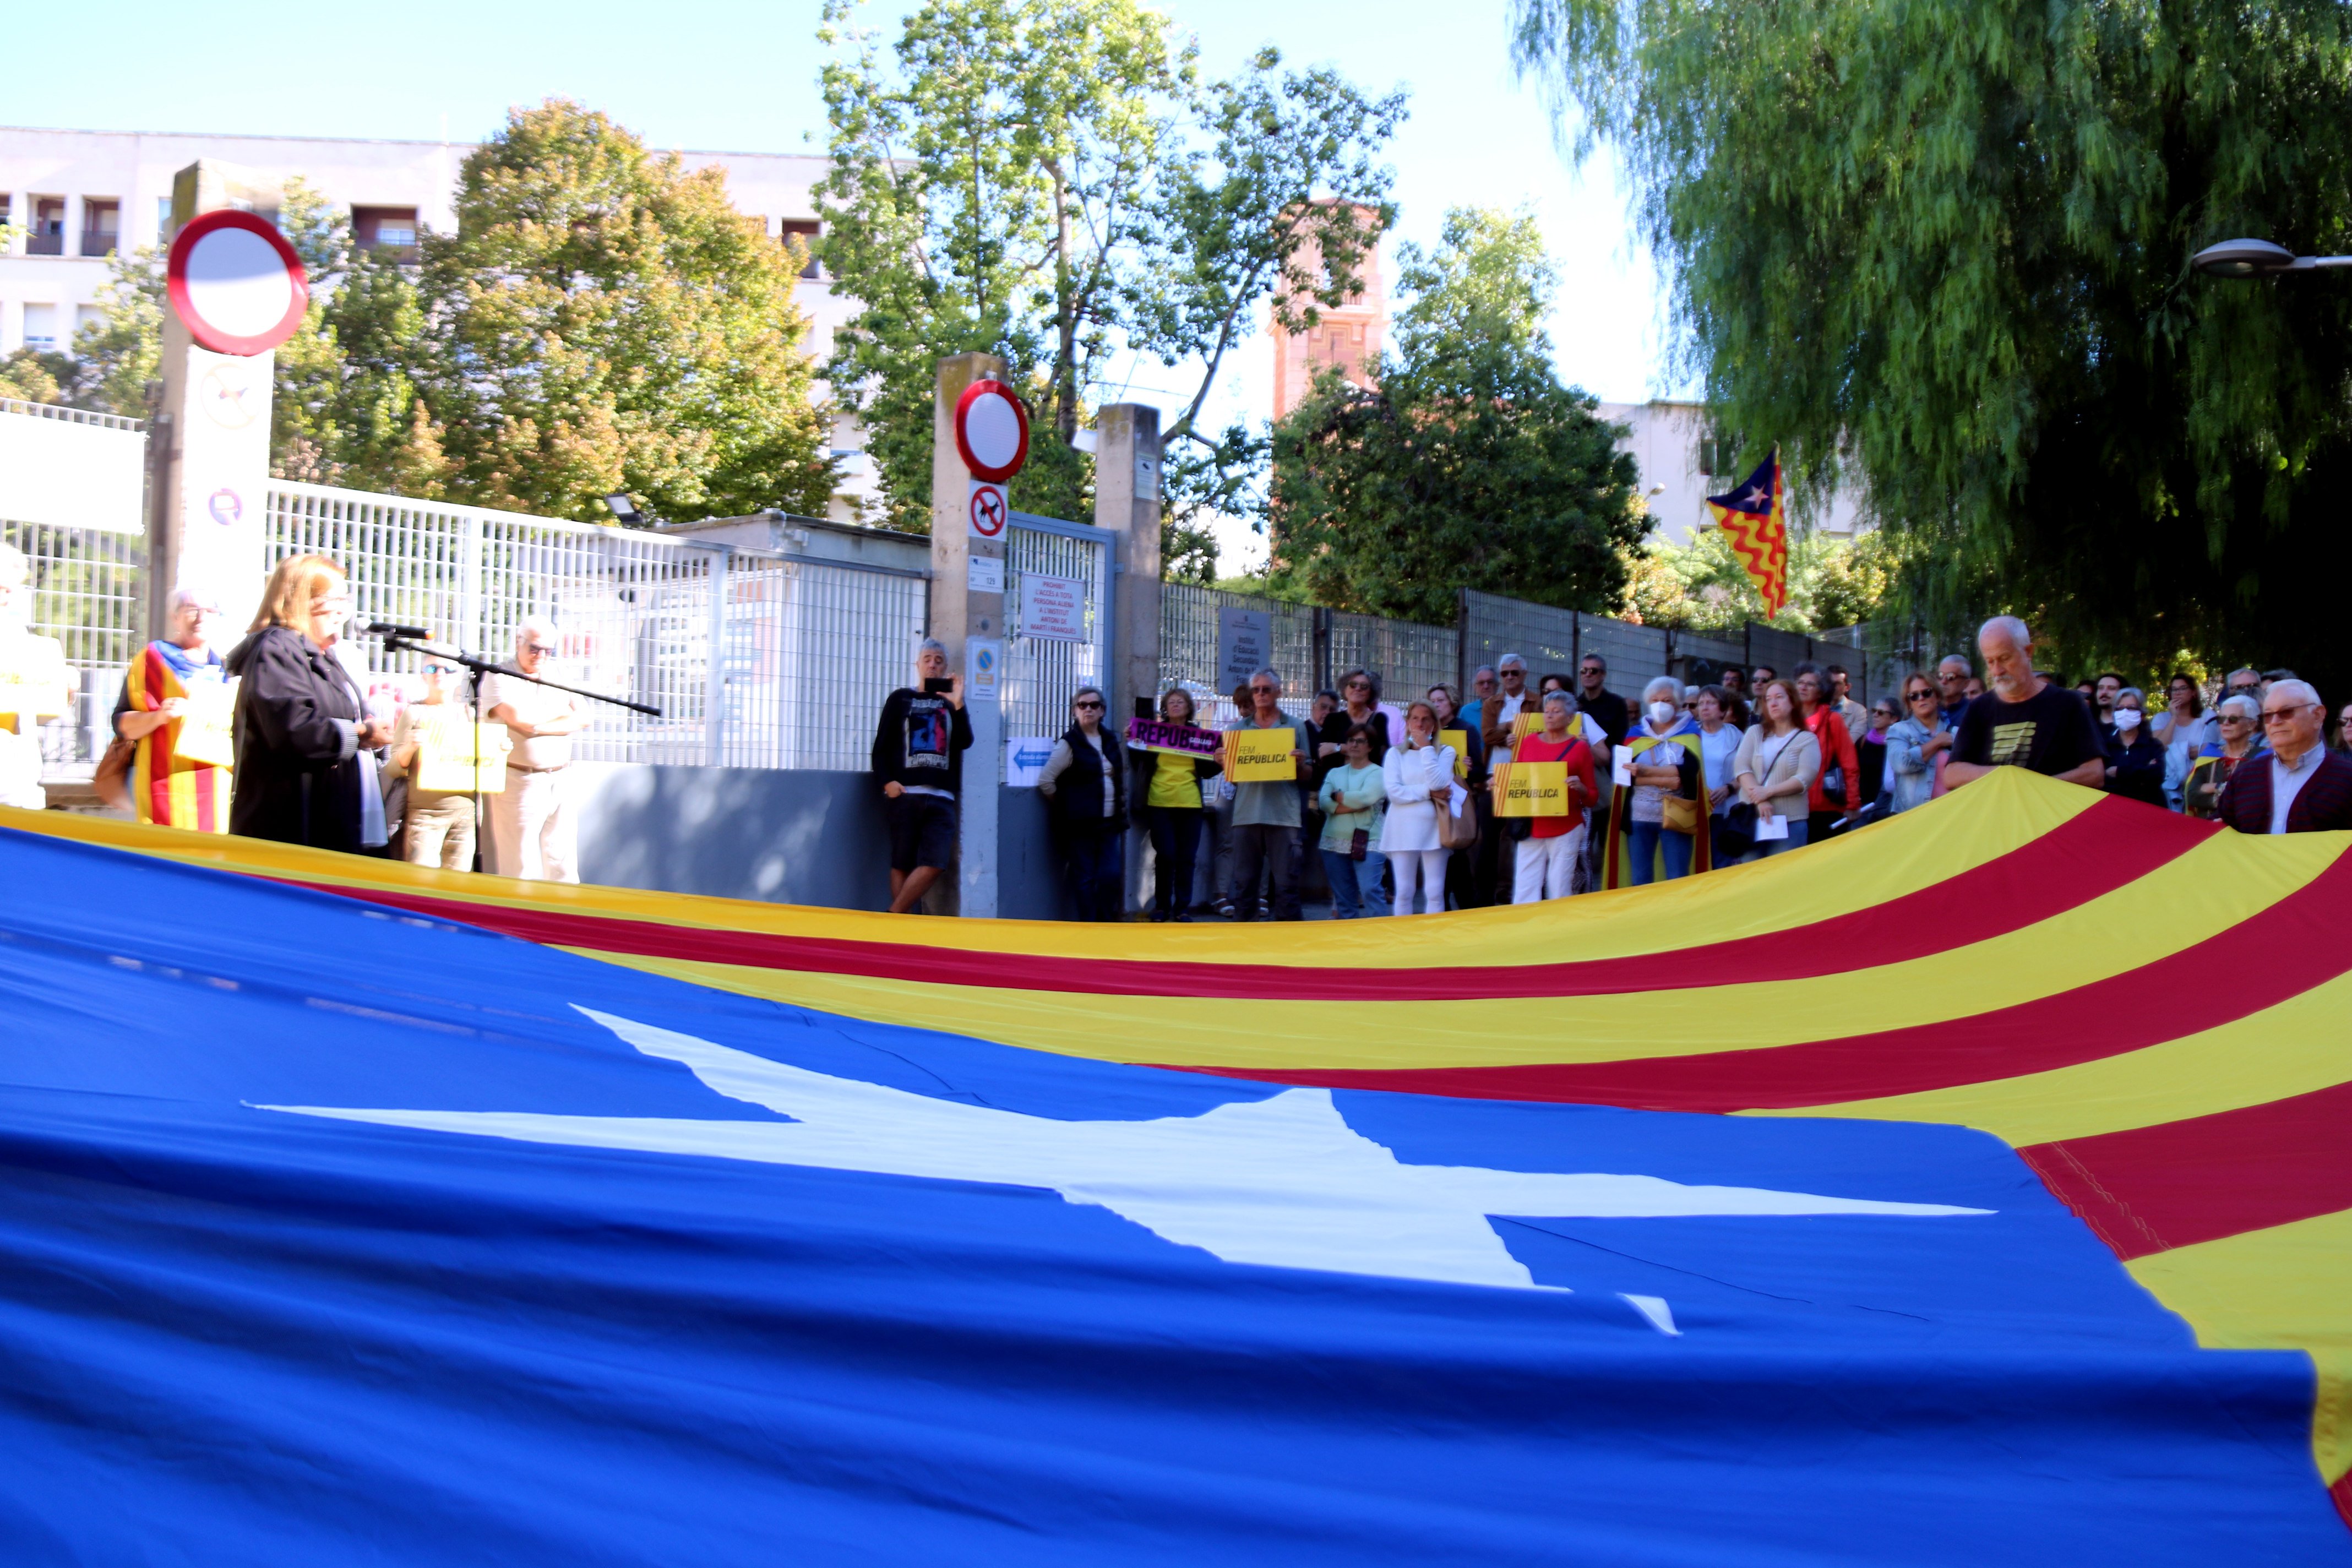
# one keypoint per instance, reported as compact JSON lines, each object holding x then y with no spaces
{"x":202,"y":734}
{"x":1529,"y":721}
{"x":455,"y":757}
{"x":1261,"y":756}
{"x":1460,"y":740}
{"x":33,"y":677}
{"x":1532,"y":789}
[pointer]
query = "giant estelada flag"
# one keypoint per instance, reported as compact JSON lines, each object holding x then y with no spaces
{"x":1757,"y":527}
{"x":1977,"y":1188}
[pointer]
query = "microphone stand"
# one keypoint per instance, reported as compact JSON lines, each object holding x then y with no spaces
{"x":417,"y":640}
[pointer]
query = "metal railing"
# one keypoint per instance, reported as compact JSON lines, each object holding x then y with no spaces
{"x":1188,"y":645}
{"x":805,"y":650}
{"x":97,"y":242}
{"x":86,"y":594}
{"x":70,"y":416}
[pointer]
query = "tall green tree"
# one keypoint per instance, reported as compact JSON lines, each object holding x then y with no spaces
{"x":604,"y":320}
{"x":1050,"y":182}
{"x":1470,"y":465}
{"x":1942,"y":246}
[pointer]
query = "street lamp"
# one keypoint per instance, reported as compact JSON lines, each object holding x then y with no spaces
{"x":2257,"y":259}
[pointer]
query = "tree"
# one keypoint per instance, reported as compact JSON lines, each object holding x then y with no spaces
{"x":601,"y":322}
{"x":1945,"y":244}
{"x":1471,"y":466}
{"x":1048,"y":181}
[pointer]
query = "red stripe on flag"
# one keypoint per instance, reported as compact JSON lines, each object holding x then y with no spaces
{"x":2150,"y":1189}
{"x":2107,"y":847}
{"x":2287,"y":949}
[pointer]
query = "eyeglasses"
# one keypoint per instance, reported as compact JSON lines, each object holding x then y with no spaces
{"x":1089,"y":702}
{"x":2281,"y":715}
{"x":539,"y":647}
{"x":1919,"y":696}
{"x":1359,"y":686}
{"x":1263,"y":690}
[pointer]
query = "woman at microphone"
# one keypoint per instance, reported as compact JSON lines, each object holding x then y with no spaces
{"x":305,"y":746}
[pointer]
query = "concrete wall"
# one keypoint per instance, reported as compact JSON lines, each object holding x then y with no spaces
{"x":780,"y":836}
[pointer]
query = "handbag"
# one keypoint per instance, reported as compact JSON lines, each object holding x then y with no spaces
{"x":1459,"y":832}
{"x":1681,"y":814}
{"x":1738,"y":829}
{"x":112,"y":780}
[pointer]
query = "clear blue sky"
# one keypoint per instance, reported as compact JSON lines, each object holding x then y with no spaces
{"x":732,"y":76}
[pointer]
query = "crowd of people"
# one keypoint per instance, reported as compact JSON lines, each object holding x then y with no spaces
{"x":1394,"y":806}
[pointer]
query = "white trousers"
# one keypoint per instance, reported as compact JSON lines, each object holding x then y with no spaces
{"x":1424,"y":867}
{"x":1545,"y":868}
{"x":532,"y":833}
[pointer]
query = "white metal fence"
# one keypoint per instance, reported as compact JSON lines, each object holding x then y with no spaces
{"x":1041,"y":674}
{"x":806,"y":650}
{"x":86,"y":594}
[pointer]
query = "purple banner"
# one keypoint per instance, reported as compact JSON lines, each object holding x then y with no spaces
{"x":1185,"y":739}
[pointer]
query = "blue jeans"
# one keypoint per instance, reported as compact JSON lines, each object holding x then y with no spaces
{"x":1355,"y":884}
{"x":1769,"y":846}
{"x":1096,"y":863}
{"x":1642,"y":841}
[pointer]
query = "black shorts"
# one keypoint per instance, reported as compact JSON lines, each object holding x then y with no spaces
{"x":922,"y":831}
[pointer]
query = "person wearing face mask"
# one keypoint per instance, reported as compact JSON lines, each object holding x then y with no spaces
{"x":305,"y":743}
{"x":160,"y":691}
{"x":1656,"y":818}
{"x":2135,"y":758}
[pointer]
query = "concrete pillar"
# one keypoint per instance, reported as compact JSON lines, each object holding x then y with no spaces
{"x":971,"y":621}
{"x":1126,"y":507}
{"x":208,"y":531}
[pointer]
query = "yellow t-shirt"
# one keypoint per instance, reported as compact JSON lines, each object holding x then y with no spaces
{"x":1173,"y":783}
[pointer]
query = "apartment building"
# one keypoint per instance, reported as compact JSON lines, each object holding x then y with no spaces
{"x":78,"y":197}
{"x":1682,"y":463}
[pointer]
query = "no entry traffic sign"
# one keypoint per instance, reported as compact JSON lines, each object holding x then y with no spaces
{"x":988,"y":510}
{"x":991,"y":430}
{"x":235,"y":283}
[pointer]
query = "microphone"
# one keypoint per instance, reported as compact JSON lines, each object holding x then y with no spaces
{"x":394,"y":629}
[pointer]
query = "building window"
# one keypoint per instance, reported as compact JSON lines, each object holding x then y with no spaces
{"x":102,"y":226}
{"x":805,"y":231}
{"x":41,"y":325}
{"x":48,"y":234}
{"x":391,"y":229}
{"x":87,"y":316}
{"x":1716,"y":455}
{"x":163,"y":217}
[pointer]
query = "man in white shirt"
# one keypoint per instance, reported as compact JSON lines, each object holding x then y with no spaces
{"x":532,"y":832}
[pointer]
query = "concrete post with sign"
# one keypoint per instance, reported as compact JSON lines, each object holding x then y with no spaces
{"x":1126,"y":507}
{"x":234,"y":292}
{"x":970,"y":524}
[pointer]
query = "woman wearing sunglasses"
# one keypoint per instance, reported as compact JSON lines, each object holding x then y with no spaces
{"x":1915,"y":745}
{"x":1084,"y":786}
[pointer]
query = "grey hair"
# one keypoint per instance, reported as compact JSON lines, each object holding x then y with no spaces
{"x":1566,"y":698}
{"x":526,"y":626}
{"x":1673,"y":688}
{"x":1967,"y":666}
{"x":2133,"y":691}
{"x":2303,"y":691}
{"x":930,"y":645}
{"x":2239,"y":699}
{"x":2241,"y":670}
{"x":1269,"y":672}
{"x":1482,"y":669}
{"x":1507,"y":660}
{"x":2020,"y":635}
{"x":184,"y":596}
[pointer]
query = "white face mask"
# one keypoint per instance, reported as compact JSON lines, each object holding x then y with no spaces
{"x":2126,"y":718}
{"x":1661,"y":712}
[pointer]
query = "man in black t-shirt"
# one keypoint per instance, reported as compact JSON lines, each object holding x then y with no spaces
{"x":918,"y":748}
{"x":2022,"y":721}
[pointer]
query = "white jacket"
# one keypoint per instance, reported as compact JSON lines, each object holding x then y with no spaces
{"x":1421,"y":785}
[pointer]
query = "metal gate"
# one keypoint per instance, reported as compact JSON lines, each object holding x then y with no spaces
{"x":1041,"y":674}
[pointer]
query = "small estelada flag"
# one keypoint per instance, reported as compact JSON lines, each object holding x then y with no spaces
{"x":1752,"y":519}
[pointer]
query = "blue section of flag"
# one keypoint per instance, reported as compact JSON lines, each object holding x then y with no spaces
{"x":234,"y":1334}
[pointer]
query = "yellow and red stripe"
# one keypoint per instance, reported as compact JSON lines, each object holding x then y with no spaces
{"x":169,"y":791}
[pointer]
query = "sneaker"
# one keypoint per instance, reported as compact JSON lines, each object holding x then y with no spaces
{"x":1265,"y":909}
{"x":1183,"y":917}
{"x":1223,"y":907}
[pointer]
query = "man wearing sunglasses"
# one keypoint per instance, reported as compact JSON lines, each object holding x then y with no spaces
{"x":532,"y":832}
{"x":1267,"y":813}
{"x":2299,"y":786}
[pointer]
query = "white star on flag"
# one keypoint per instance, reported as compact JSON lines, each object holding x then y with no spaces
{"x":1283,"y":1182}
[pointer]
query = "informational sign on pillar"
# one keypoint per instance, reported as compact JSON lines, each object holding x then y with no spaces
{"x":980,"y":440}
{"x":238,"y":290}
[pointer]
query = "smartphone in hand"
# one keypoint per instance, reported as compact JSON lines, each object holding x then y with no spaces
{"x":937,"y":685}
